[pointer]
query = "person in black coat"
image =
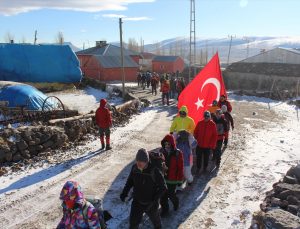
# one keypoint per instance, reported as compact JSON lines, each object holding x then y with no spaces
{"x":148,"y":186}
{"x":222,"y":128}
{"x":229,"y":119}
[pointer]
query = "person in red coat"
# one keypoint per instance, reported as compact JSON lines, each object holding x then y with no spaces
{"x":174,"y":175}
{"x":165,"y":90}
{"x":223,"y":101}
{"x":104,"y":122}
{"x":206,"y":135}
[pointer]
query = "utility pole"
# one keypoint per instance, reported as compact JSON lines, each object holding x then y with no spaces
{"x":231,"y":36}
{"x":247,"y":40}
{"x":35,"y":37}
{"x":192,"y":39}
{"x":122,"y":58}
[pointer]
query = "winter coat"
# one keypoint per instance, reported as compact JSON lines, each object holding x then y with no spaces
{"x":185,"y":145}
{"x":148,"y":185}
{"x":186,"y":123}
{"x":165,"y":87}
{"x":206,"y":134}
{"x":74,"y":218}
{"x":174,"y":161}
{"x":222,"y":126}
{"x":154,"y":81}
{"x":229,"y":119}
{"x":227,"y":103}
{"x":103,"y":116}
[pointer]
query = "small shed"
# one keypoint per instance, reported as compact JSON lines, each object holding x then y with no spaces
{"x":167,"y":64}
{"x":103,"y":62}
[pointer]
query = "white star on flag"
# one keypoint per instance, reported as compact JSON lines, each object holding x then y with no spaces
{"x":199,"y":103}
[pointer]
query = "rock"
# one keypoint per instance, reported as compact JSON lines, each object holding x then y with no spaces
{"x":284,"y":194}
{"x":48,"y":144}
{"x":292,"y":200}
{"x":39,"y":148}
{"x":31,"y":143}
{"x":280,"y":219}
{"x":17,"y":157}
{"x":44,"y":138}
{"x":8,"y":157}
{"x":295,"y":188}
{"x":22,"y":145}
{"x":294,"y":172}
{"x":13,"y":149}
{"x":26,"y":135}
{"x":275,"y":202}
{"x":3,"y":171}
{"x":293,"y":209}
{"x":25,"y":154}
{"x":290,"y":180}
{"x":281,"y":141}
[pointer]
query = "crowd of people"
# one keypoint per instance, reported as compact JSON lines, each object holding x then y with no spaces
{"x":171,"y":85}
{"x":156,"y":175}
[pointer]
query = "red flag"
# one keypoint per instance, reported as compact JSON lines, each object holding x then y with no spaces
{"x":207,"y":86}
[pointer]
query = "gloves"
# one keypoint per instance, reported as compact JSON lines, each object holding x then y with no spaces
{"x":123,"y":196}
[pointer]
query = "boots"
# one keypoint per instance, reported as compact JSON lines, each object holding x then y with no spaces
{"x":108,"y":147}
{"x":102,"y":146}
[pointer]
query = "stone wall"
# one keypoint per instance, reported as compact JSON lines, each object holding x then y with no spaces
{"x":27,"y":142}
{"x":281,"y":207}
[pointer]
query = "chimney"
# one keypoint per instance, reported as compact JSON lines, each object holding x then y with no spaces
{"x":101,"y":44}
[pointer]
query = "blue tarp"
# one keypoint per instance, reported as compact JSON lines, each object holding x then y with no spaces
{"x":39,"y":63}
{"x":23,"y":95}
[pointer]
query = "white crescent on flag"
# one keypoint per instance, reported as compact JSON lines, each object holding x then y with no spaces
{"x":215,"y":82}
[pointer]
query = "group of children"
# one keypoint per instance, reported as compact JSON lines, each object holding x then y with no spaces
{"x":155,"y":176}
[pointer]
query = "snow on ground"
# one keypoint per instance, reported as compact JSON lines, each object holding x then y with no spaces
{"x":85,"y":100}
{"x":262,"y":147}
{"x":271,"y":147}
{"x":43,"y":184}
{"x":119,"y":84}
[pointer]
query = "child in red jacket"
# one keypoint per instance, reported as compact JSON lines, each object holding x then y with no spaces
{"x":174,"y":175}
{"x":104,"y":122}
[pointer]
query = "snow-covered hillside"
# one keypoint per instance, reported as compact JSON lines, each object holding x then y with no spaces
{"x":238,"y":50}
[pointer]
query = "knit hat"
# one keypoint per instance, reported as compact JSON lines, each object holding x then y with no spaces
{"x":142,"y":155}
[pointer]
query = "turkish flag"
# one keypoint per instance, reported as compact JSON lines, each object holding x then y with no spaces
{"x":207,"y":86}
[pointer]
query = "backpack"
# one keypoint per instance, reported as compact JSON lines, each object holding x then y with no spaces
{"x":103,"y":215}
{"x":157,"y":159}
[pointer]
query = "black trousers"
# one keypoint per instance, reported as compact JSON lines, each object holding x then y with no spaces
{"x":154,"y":89}
{"x":165,"y":95}
{"x":170,"y":194}
{"x":202,"y":152}
{"x":218,"y":152}
{"x":137,"y":211}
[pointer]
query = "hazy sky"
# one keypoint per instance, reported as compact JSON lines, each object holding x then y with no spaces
{"x":85,"y":21}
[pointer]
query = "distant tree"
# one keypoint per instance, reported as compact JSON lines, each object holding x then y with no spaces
{"x":8,"y":38}
{"x":60,"y":38}
{"x":142,"y":46}
{"x":157,"y":50}
{"x":23,"y":40}
{"x":133,"y":45}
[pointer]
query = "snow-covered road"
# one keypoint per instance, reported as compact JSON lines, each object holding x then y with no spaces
{"x":264,"y":145}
